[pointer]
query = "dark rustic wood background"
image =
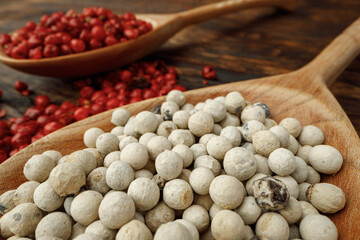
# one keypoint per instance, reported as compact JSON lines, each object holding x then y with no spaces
{"x":243,"y":45}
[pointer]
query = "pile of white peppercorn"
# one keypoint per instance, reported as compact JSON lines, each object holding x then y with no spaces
{"x":222,"y":169}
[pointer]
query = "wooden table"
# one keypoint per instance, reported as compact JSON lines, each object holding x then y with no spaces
{"x":244,"y":45}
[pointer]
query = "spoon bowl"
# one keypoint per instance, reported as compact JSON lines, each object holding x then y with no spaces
{"x":112,"y":57}
{"x":301,"y":94}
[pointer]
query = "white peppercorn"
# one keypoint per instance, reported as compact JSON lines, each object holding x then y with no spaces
{"x":262,"y":165}
{"x":265,"y":142}
{"x":76,"y":230}
{"x":249,"y":183}
{"x":118,"y":130}
{"x":200,"y":180}
{"x":303,"y":187}
{"x":269,"y":123}
{"x":325,"y":159}
{"x":98,"y":156}
{"x":218,"y":146}
{"x":316,"y":226}
{"x":181,"y":136}
{"x":107,"y":143}
{"x":203,"y":200}
{"x":24,"y":193}
{"x":282,"y":134}
{"x":326,"y":197}
{"x":233,"y":134}
{"x":96,"y":180}
{"x":185,"y":175}
{"x":293,"y":145}
{"x":240,"y":163}
{"x":306,"y":209}
{"x":282,"y":162}
{"x":168,"y":164}
{"x":119,"y":175}
{"x":116,"y":209}
{"x":157,"y":145}
{"x":140,"y":217}
{"x":216,"y":129}
{"x":214,"y":209}
{"x":265,"y":107}
{"x":249,"y":233}
{"x":7,"y":201}
{"x":311,"y":135}
{"x":135,"y":154}
{"x":145,"y":122}
{"x":172,"y":230}
{"x":38,"y":168}
{"x":207,"y":235}
{"x":88,"y":236}
{"x":100,"y":229}
{"x":185,"y":153}
{"x":190,"y":227}
{"x":205,"y":138}
{"x":272,"y":226}
{"x":198,"y":216}
{"x":4,"y":225}
{"x":91,"y":135}
{"x":166,"y":128}
{"x":159,"y":118}
{"x":181,"y":119}
{"x":292,"y":125}
{"x":84,"y":207}
{"x":292,"y":211}
{"x":56,"y":224}
{"x":199,"y":106}
{"x":294,"y":233}
{"x":126,"y":141}
{"x":129,"y":128}
{"x":176,"y":96}
{"x":200,"y":123}
{"x":227,"y":191}
{"x":145,"y":193}
{"x":55,"y":155}
{"x":234,"y":102}
{"x":112,"y":157}
{"x":216,"y":109}
{"x":198,"y":150}
{"x":145,"y":138}
{"x":300,"y":173}
{"x":230,"y":120}
{"x":251,"y":127}
{"x":134,"y":230}
{"x":120,"y":116}
{"x":159,"y":215}
{"x":208,"y":162}
{"x":291,"y":185}
{"x":62,"y":159}
{"x":178,"y":194}
{"x":46,"y":198}
{"x":159,"y":181}
{"x":253,"y":112}
{"x":24,"y":218}
{"x":227,"y":225}
{"x":83,"y":159}
{"x":249,"y":146}
{"x":303,"y":152}
{"x":249,"y":211}
{"x":168,"y":109}
{"x":143,"y":173}
{"x":67,"y":205}
{"x":313,"y":176}
{"x":270,"y":193}
{"x":67,"y":178}
{"x":187,"y":107}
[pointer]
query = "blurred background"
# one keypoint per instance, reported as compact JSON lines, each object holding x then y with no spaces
{"x":240,"y":46}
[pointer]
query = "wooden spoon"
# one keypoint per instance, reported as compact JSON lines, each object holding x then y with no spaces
{"x":111,"y":57}
{"x":301,"y":94}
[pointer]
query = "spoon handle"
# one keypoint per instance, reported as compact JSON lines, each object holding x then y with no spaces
{"x":333,"y":60}
{"x":213,"y":10}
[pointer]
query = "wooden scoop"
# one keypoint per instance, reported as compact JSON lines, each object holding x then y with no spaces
{"x":301,"y":94}
{"x":111,"y":57}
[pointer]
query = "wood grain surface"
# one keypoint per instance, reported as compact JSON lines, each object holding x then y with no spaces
{"x":245,"y":45}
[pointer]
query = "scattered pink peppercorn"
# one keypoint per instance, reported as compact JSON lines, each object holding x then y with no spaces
{"x":20,"y":86}
{"x":208,"y":72}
